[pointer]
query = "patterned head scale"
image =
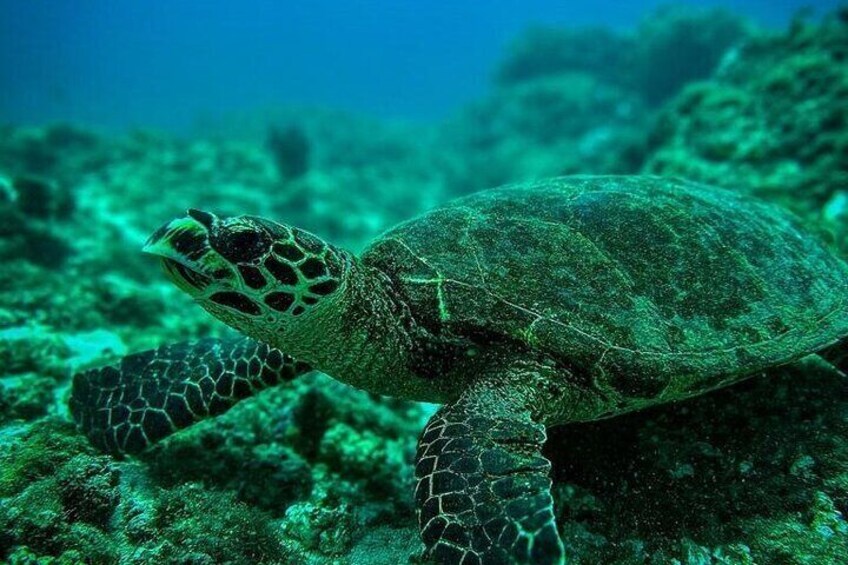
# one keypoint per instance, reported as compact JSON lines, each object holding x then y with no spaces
{"x":243,"y":269}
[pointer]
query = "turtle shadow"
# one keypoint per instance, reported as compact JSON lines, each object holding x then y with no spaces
{"x":711,"y":469}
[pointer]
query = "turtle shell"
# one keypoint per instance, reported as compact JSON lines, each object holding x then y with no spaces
{"x":650,"y":287}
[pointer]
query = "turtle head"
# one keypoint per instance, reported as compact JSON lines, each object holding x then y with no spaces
{"x":258,"y":276}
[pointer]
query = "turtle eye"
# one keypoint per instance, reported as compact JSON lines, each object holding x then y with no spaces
{"x":240,"y":243}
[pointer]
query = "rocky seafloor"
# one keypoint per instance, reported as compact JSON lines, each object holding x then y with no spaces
{"x":318,"y":472}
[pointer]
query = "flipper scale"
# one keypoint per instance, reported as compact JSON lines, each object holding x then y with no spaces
{"x":147,"y":396}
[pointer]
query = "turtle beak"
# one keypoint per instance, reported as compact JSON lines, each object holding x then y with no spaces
{"x":187,"y":257}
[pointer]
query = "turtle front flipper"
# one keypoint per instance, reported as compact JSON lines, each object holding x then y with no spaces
{"x":483,"y":492}
{"x":127,"y":407}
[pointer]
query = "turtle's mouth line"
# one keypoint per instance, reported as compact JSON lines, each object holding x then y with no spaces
{"x":186,"y":277}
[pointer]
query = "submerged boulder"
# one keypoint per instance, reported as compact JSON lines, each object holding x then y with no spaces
{"x":773,"y":121}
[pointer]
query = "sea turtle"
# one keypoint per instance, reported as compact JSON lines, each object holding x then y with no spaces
{"x":518,"y":308}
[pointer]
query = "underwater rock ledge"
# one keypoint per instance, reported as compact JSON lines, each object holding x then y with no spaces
{"x":321,"y":473}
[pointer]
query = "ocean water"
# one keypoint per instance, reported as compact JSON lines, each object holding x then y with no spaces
{"x":219,"y":342}
{"x":171,"y":64}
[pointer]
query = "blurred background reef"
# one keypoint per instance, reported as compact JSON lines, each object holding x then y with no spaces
{"x":322,"y":473}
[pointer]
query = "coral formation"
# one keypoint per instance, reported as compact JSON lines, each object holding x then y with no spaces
{"x":579,"y":100}
{"x":755,"y":473}
{"x":290,"y":149}
{"x":29,"y":207}
{"x":548,"y":126}
{"x":772,"y":121}
{"x":679,"y":45}
{"x":318,"y":472}
{"x":672,"y":46}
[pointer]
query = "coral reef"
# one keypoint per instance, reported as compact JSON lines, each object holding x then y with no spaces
{"x":377,"y":172}
{"x":259,"y":485}
{"x":677,"y":45}
{"x":752,"y":474}
{"x":579,"y":100}
{"x":290,"y":149}
{"x":771,"y":121}
{"x":29,"y":208}
{"x":317,"y":472}
{"x":549,"y":51}
{"x":672,"y":46}
{"x":62,"y":152}
{"x":553,"y":125}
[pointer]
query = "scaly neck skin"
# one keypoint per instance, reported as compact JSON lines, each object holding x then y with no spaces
{"x":363,"y":336}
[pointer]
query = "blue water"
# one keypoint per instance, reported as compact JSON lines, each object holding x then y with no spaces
{"x":168,"y":64}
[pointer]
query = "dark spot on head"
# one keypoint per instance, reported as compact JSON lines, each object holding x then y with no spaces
{"x":203,"y":218}
{"x":324,"y":288}
{"x":298,"y":311}
{"x":280,"y":301}
{"x":288,"y":251}
{"x":237,"y":301}
{"x":313,"y":268}
{"x":252,"y":276}
{"x":275,"y":359}
{"x":310,"y":300}
{"x":241,"y":244}
{"x":281,"y":271}
{"x":224,"y":385}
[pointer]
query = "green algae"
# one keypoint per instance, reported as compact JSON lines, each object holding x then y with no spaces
{"x":672,"y":46}
{"x":579,"y":100}
{"x":759,"y":466}
{"x":552,"y":125}
{"x":230,"y":530}
{"x":57,"y":497}
{"x":771,"y":120}
{"x":317,"y":472}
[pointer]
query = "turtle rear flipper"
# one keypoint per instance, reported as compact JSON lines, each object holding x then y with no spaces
{"x":127,"y":407}
{"x":483,"y":490}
